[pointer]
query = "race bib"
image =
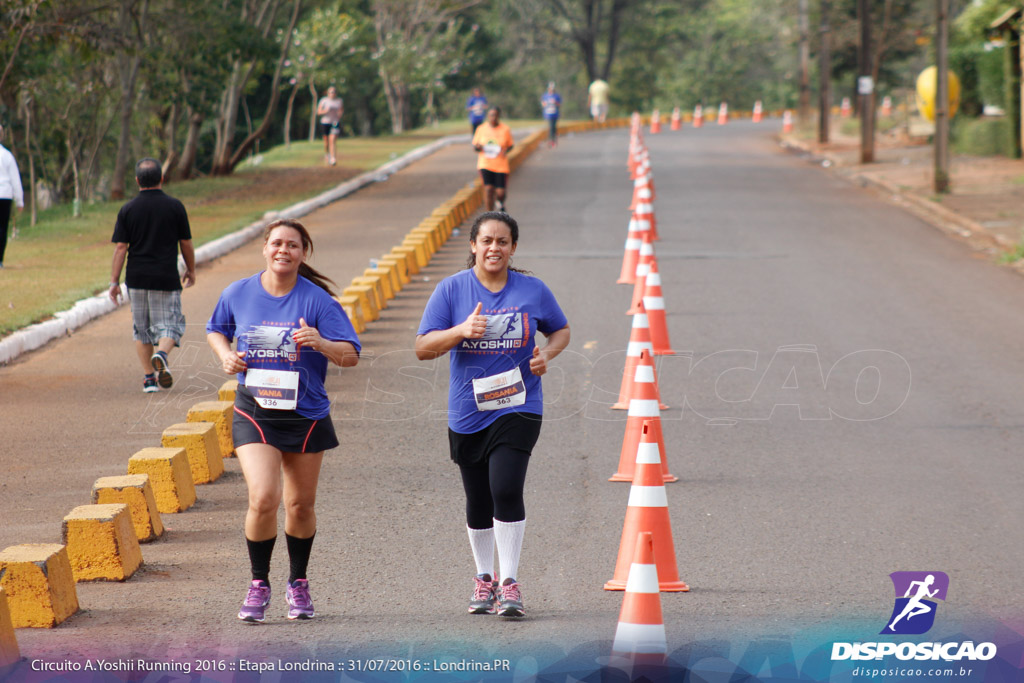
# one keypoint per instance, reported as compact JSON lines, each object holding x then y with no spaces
{"x":492,"y":150}
{"x":274,"y":389}
{"x":500,"y":391}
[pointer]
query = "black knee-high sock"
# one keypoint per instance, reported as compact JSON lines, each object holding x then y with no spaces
{"x":298,"y":555}
{"x":259,"y":558}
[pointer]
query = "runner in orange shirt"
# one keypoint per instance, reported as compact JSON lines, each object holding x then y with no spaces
{"x":493,"y":140}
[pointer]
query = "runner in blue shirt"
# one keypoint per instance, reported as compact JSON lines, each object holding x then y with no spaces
{"x":551,"y":103}
{"x":288,"y":328}
{"x":487,"y":316}
{"x":476,"y":106}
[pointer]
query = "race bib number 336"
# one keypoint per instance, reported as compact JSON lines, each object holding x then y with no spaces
{"x":273,"y":389}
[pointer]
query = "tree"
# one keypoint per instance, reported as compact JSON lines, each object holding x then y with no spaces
{"x":132,"y":16}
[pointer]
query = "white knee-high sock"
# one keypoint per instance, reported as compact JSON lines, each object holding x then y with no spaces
{"x":509,"y":537}
{"x":482,"y":542}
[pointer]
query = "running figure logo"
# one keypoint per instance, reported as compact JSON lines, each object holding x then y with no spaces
{"x":914,"y":612}
{"x":267,"y":341}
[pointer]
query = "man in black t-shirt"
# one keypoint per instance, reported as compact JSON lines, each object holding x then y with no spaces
{"x":149,"y":230}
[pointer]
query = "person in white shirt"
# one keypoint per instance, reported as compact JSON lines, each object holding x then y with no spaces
{"x":330,"y":110}
{"x":10,"y":192}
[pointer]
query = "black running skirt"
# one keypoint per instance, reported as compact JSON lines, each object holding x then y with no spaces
{"x":285,"y":430}
{"x":515,"y":430}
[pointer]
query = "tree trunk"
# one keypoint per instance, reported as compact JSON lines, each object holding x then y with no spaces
{"x":312,"y":112}
{"x":288,"y":116}
{"x":191,"y":148}
{"x":31,"y":163}
{"x":225,"y":161}
{"x":76,"y":205}
{"x":128,"y":70}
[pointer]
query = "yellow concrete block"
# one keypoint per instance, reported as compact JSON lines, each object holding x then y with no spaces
{"x":422,"y":248}
{"x":134,"y":491}
{"x":227,"y":390}
{"x":9,"y":652}
{"x":436,"y":228}
{"x":170,"y":476}
{"x":220,"y":413}
{"x":199,"y":439}
{"x":39,"y":585}
{"x":101,"y":542}
{"x":366,"y":300}
{"x":400,"y":265}
{"x":429,"y":234}
{"x":354,"y":311}
{"x":388,"y":281}
{"x":412,"y":263}
{"x":374,"y":282}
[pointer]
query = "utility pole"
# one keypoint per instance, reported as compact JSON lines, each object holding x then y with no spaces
{"x":865,"y":86}
{"x":824,"y":76}
{"x":941,"y":98}
{"x":805,"y":66}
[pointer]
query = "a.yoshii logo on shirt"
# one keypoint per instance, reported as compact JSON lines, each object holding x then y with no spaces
{"x":504,"y":331}
{"x":267,"y":342}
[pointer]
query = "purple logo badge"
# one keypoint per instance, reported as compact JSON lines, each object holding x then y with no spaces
{"x":916,"y":596}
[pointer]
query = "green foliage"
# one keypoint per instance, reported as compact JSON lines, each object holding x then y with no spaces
{"x":981,"y":137}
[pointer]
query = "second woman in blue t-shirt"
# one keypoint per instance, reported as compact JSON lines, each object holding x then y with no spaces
{"x":487,"y":316}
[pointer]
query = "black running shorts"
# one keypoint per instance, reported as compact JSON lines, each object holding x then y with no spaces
{"x":285,"y":430}
{"x":515,"y":430}
{"x":492,"y":178}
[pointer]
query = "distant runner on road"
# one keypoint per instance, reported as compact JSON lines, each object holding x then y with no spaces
{"x":597,"y":100}
{"x":288,"y":328}
{"x":476,"y":107}
{"x":330,"y":110}
{"x":495,"y":403}
{"x":551,"y":104}
{"x":493,"y":140}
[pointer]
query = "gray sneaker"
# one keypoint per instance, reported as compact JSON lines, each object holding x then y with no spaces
{"x":510,"y":600}
{"x":485,"y":598}
{"x":163,"y":373}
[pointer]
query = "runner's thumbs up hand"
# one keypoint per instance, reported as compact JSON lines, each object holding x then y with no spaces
{"x":538,"y":364}
{"x":475,"y":325}
{"x":306,"y":335}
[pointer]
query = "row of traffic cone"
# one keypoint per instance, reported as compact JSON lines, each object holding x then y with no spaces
{"x":646,"y":562}
{"x":676,"y":120}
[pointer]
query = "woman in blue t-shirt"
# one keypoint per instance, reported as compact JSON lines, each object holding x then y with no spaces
{"x":486,"y":316}
{"x":288,"y":328}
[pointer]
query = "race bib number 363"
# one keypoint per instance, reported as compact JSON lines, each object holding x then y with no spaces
{"x":500,"y":391}
{"x":273,"y":389}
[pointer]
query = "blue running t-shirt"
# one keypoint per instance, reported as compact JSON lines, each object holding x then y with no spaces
{"x":264,"y":325}
{"x":515,"y":314}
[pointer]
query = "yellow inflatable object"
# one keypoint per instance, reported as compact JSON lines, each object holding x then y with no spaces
{"x":927,"y":84}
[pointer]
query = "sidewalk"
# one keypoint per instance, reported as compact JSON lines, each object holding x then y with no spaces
{"x":985,"y":207}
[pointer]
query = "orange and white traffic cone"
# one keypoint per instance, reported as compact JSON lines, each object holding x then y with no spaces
{"x":647,"y":511}
{"x":634,"y":239}
{"x":698,"y":116}
{"x":787,"y":121}
{"x":654,"y":304}
{"x":644,"y":405}
{"x":641,"y":192}
{"x":645,"y":212}
{"x":723,"y":114}
{"x":640,"y":634}
{"x":756,"y":116}
{"x":846,"y":110}
{"x":655,"y":122}
{"x":676,"y":122}
{"x":886,"y":106}
{"x":643,"y":266}
{"x":639,"y":340}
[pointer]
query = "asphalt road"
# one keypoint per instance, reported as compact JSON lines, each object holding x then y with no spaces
{"x":845,"y":403}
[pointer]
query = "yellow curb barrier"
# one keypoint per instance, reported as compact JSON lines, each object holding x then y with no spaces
{"x":199,"y":439}
{"x":134,"y":491}
{"x":227,"y":390}
{"x":354,"y":311}
{"x":387,"y":281}
{"x":39,"y":584}
{"x":420,"y":244}
{"x":101,"y":543}
{"x":390,"y":273}
{"x":366,"y":300}
{"x":437,"y":229}
{"x":9,"y":653}
{"x":221,"y":413}
{"x":412,"y":264}
{"x":170,"y":476}
{"x":377,"y":287}
{"x":399,"y":264}
{"x":428,"y":234}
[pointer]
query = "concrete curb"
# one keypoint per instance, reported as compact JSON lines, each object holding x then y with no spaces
{"x":65,"y":322}
{"x":931,"y":212}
